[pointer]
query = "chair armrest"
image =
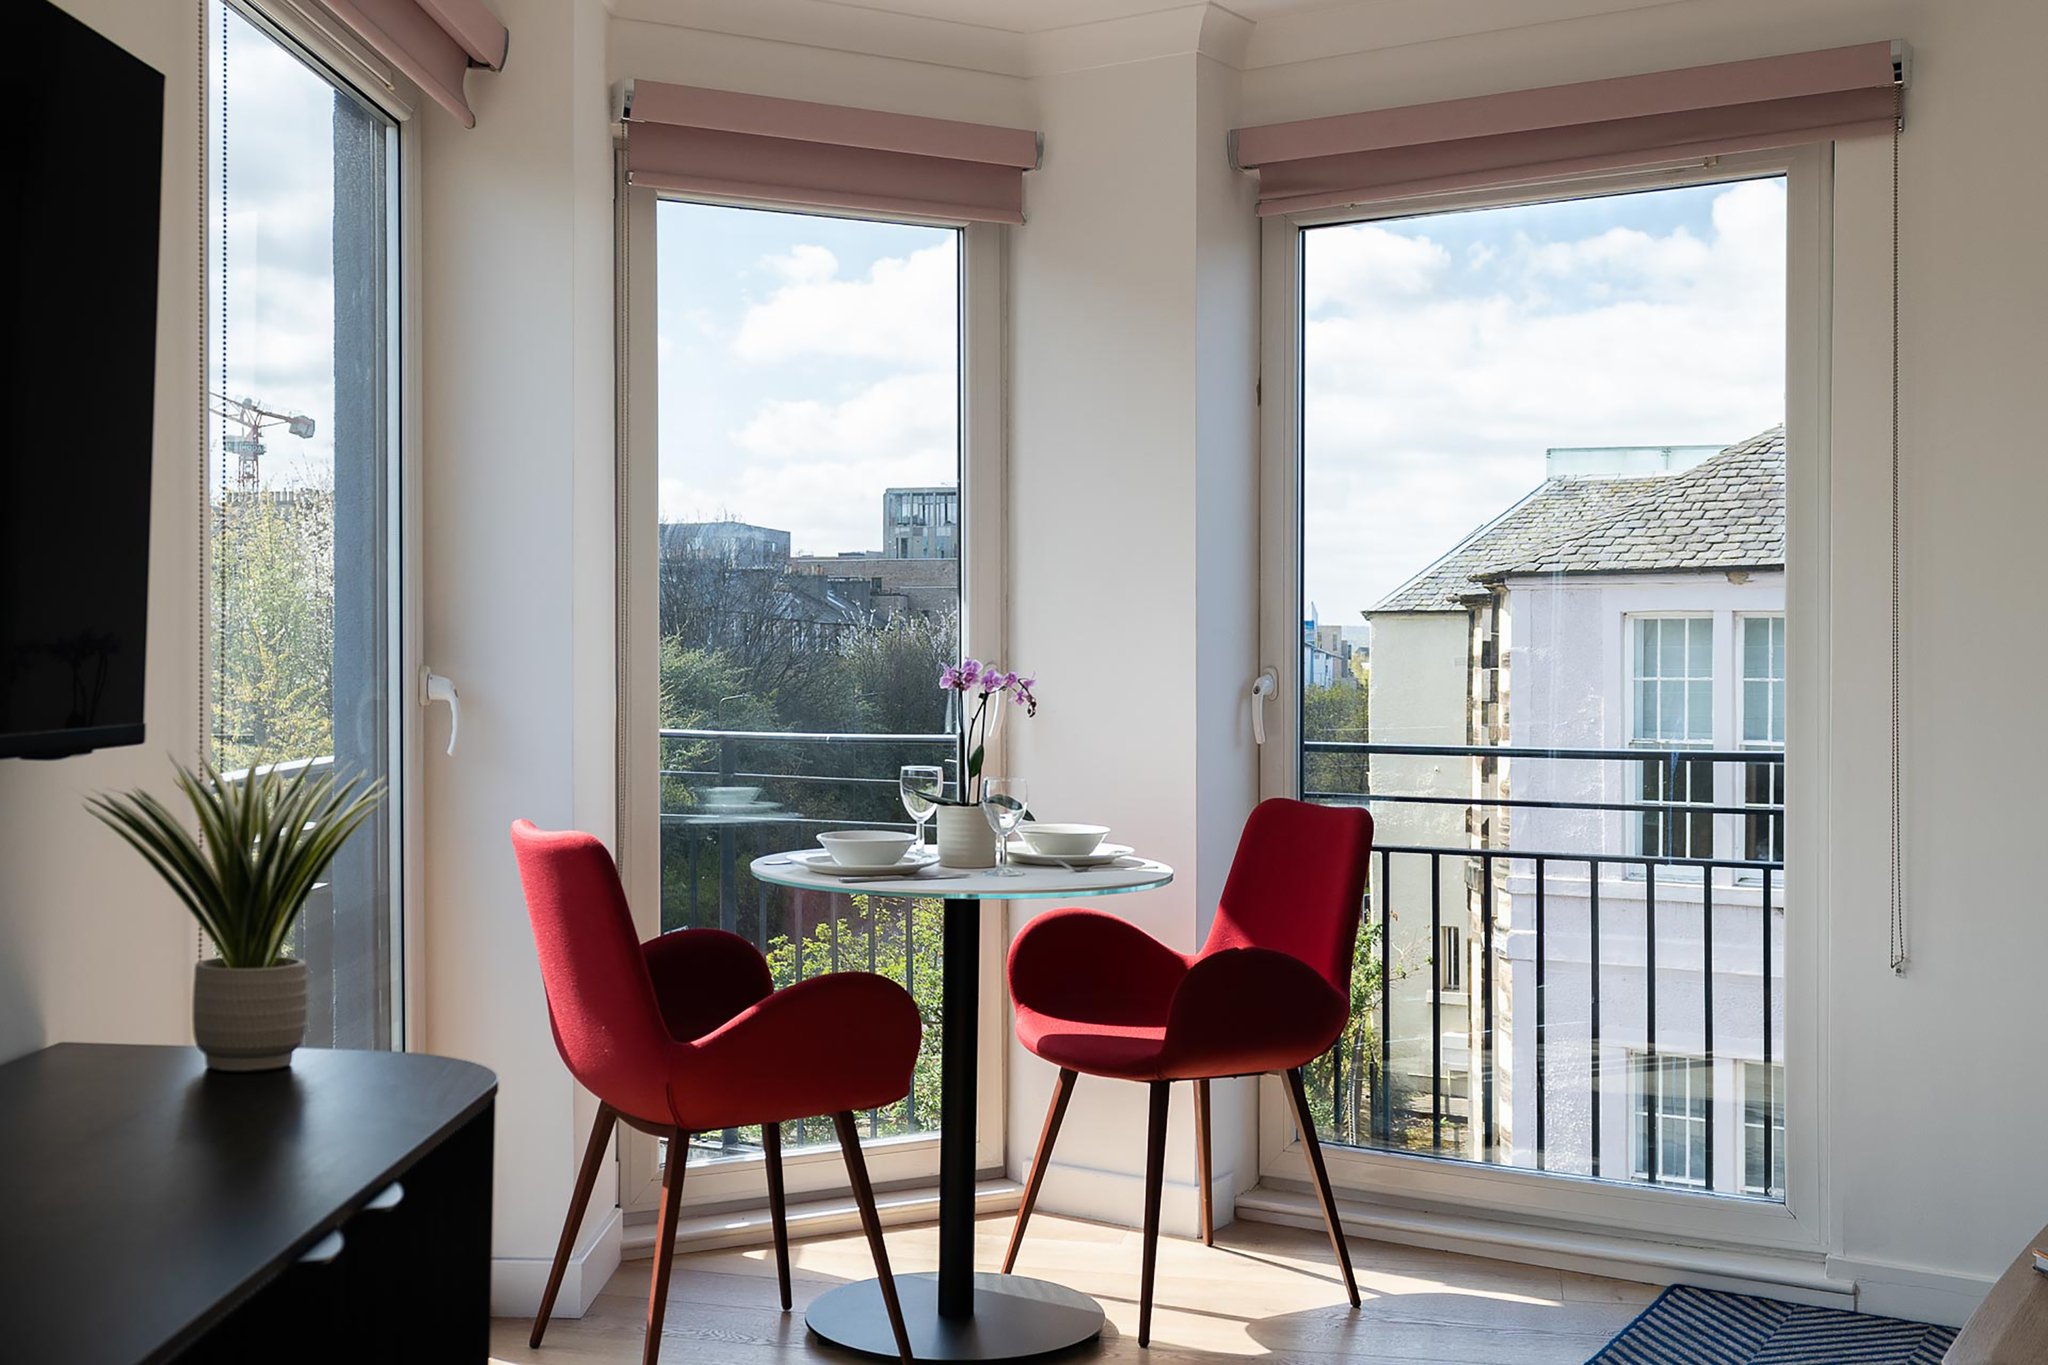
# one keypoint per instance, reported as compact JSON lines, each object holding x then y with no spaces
{"x":703,"y":977}
{"x":1257,"y":1009}
{"x":1088,"y":966}
{"x":847,"y":1040}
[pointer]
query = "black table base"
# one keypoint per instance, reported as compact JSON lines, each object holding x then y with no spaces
{"x":958,"y":1314}
{"x":1013,"y":1318}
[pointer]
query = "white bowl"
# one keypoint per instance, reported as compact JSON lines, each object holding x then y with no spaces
{"x":731,"y":796}
{"x":1062,"y":841}
{"x":866,"y":848}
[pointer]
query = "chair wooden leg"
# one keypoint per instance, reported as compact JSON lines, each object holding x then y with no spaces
{"x":579,"y":1199}
{"x":665,"y":1244}
{"x":1202,"y":1161}
{"x":778,"y":1207}
{"x":1155,"y":1176}
{"x":871,"y":1223}
{"x":1062,"y":1091}
{"x":1297,"y":1092}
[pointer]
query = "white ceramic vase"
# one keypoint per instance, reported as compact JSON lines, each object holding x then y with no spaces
{"x":249,"y":1018}
{"x":965,"y":839}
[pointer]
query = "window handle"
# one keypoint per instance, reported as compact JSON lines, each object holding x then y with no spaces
{"x":433,"y":688}
{"x":325,"y":1251}
{"x":1263,"y":687}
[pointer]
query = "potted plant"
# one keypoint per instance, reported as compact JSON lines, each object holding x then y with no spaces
{"x":965,"y":839}
{"x":264,"y":839}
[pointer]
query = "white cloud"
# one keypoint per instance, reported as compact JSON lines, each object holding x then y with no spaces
{"x":1428,"y":403}
{"x":901,"y":311}
{"x":904,"y":413}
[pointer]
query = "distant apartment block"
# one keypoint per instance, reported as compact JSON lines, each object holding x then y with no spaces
{"x":921,"y":523}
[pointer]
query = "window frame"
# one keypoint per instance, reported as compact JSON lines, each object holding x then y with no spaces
{"x":1699,"y":1089}
{"x":345,"y":64}
{"x":1387,"y":1186}
{"x":910,"y":1160}
{"x":1774,"y":773}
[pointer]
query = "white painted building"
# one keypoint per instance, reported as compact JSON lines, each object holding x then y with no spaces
{"x":1600,"y":614}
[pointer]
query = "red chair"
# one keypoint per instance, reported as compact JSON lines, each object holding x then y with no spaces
{"x":687,"y":1034}
{"x":1269,"y":991}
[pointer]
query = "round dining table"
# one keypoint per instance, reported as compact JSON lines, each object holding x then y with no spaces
{"x":959,"y":1313}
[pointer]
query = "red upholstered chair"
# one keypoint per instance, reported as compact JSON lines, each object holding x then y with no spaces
{"x":686,"y":1034}
{"x":1269,"y":991}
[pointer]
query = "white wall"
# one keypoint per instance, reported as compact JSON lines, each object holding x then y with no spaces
{"x":517,"y":388}
{"x":1933,"y":1121}
{"x":93,"y":946}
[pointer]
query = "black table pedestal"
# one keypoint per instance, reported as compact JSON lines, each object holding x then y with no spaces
{"x":958,"y":1314}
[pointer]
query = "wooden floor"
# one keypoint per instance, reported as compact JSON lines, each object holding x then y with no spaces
{"x":1261,"y":1292}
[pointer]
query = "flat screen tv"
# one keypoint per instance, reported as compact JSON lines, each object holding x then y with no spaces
{"x":85,"y":173}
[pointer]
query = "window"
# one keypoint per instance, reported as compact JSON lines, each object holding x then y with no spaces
{"x":1525,"y":485}
{"x":1672,"y":695}
{"x":1763,"y":727}
{"x":1763,"y":1104}
{"x":1670,"y":1149}
{"x":303,"y":656}
{"x":1450,"y":959}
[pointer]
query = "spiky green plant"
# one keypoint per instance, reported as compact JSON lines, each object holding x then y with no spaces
{"x":263,"y":841}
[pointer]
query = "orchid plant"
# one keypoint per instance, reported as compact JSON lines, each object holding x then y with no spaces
{"x":983,"y":686}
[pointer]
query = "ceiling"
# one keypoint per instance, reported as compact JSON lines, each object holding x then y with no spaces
{"x":1039,"y":16}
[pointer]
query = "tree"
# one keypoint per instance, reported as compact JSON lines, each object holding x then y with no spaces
{"x":1337,"y":712}
{"x":273,"y":626}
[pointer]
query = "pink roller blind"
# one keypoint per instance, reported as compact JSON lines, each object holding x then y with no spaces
{"x":735,"y":146}
{"x":1533,"y":135}
{"x":434,"y":42}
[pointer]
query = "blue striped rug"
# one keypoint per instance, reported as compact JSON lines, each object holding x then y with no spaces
{"x":1687,"y":1326}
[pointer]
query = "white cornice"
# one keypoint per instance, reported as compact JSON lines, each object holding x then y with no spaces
{"x":1214,"y":30}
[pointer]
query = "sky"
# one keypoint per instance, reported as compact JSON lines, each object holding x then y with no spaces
{"x":806,"y":363}
{"x":276,"y":340}
{"x":1443,"y":355}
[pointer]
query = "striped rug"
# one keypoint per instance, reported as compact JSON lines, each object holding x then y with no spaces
{"x":1687,"y":1326}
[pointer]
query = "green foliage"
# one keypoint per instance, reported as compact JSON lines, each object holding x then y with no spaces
{"x":264,"y":840}
{"x":273,"y":625}
{"x":1338,"y":712}
{"x":1339,"y":1096}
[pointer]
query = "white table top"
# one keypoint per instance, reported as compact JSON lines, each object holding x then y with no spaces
{"x":956,"y":883}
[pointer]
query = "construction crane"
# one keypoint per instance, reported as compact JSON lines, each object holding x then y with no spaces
{"x":253,"y":418}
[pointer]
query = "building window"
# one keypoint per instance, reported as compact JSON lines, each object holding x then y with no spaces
{"x":1672,"y":1149}
{"x":1763,"y":1089}
{"x":1672,"y":707}
{"x":1450,"y":959}
{"x":1763,"y":727}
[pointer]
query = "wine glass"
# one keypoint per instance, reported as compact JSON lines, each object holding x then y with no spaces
{"x":920,"y":784}
{"x":1003,"y":801}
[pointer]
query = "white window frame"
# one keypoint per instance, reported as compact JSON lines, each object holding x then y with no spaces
{"x":1634,"y":774}
{"x":344,"y":62}
{"x":911,"y":1160}
{"x":1385,"y":1188}
{"x":1748,"y":1070}
{"x":1697,"y":1072}
{"x":1741,"y":707}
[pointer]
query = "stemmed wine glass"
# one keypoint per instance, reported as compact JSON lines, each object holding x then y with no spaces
{"x":920,"y":784}
{"x":1003,"y":801}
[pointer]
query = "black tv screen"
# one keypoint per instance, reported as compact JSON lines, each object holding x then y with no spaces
{"x":85,"y":172}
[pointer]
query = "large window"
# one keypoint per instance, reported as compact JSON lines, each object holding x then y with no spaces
{"x":301,"y":531}
{"x":807,"y":553}
{"x":1531,"y":555}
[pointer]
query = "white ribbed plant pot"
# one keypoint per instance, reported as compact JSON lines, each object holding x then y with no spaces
{"x":248,"y":1018}
{"x":965,"y":839}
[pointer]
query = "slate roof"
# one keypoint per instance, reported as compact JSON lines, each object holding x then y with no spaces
{"x":1727,"y":512}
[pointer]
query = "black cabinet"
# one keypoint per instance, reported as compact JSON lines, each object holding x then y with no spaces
{"x":152,"y":1210}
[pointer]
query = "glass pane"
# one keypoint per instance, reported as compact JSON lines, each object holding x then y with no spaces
{"x":1756,"y":711}
{"x":809,"y":581}
{"x":300,"y":449}
{"x":1598,"y":386}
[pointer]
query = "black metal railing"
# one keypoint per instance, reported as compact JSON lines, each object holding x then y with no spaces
{"x":1707,"y":879}
{"x":813,"y":781}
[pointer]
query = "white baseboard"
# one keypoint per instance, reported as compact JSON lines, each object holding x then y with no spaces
{"x":829,"y":1217}
{"x":1118,"y":1197}
{"x":1799,"y":1279}
{"x":517,"y":1282}
{"x":1922,"y":1293}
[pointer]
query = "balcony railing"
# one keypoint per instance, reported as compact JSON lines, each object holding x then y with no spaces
{"x":814,"y":782}
{"x":1652,"y":953}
